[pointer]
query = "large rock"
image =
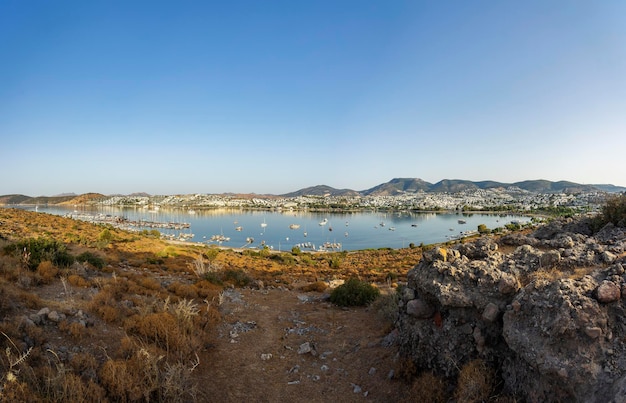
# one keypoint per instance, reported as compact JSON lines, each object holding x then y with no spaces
{"x":550,"y":337}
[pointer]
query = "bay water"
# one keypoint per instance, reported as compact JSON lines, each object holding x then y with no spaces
{"x":282,"y":230}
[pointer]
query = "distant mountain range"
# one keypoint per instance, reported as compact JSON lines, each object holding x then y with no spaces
{"x":399,"y":186}
{"x":394,"y":187}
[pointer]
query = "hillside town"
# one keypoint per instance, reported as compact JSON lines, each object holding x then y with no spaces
{"x":509,"y":199}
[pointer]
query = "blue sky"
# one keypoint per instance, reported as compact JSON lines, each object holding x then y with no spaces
{"x":273,"y":96}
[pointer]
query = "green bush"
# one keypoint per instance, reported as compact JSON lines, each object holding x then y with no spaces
{"x":91,"y":258}
{"x":237,"y":277}
{"x":36,"y":250}
{"x":354,"y":292}
{"x":614,"y":210}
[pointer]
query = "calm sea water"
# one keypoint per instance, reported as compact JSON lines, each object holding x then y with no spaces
{"x":284,"y":230}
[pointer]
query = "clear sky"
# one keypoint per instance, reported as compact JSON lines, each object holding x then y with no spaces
{"x":171,"y":97}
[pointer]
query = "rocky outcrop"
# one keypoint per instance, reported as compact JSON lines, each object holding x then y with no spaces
{"x":549,"y":316}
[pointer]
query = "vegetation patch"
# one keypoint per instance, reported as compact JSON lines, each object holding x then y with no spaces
{"x":354,"y":292}
{"x":33,"y":251}
{"x":91,"y":258}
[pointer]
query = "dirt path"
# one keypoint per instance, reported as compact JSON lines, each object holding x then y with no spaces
{"x":261,"y":352}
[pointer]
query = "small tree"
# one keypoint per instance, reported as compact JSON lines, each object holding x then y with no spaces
{"x":105,"y":236}
{"x":482,"y":229}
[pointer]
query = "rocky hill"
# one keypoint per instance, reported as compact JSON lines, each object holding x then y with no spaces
{"x":399,"y":186}
{"x":545,"y":311}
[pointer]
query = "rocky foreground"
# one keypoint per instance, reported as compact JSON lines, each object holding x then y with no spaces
{"x":545,"y":311}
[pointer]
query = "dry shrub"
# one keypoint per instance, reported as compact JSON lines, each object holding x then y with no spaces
{"x":178,"y":384}
{"x":427,"y":388}
{"x":134,"y":379}
{"x":85,"y":365}
{"x":474,"y":383}
{"x":206,"y":289}
{"x":47,"y":271}
{"x":29,"y":299}
{"x":127,"y":347}
{"x":185,"y":311}
{"x":149,"y":283}
{"x":183,"y":290}
{"x":120,"y":382}
{"x":61,"y":385}
{"x":74,"y":329}
{"x":159,"y":328}
{"x":549,"y":275}
{"x":14,"y":390}
{"x":406,"y":370}
{"x":318,"y":286}
{"x":109,"y":314}
{"x":78,"y":281}
{"x":146,"y":376}
{"x":104,"y":305}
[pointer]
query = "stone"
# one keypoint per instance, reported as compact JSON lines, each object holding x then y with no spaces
{"x":607,"y":257}
{"x":550,"y":259}
{"x":420,"y":309}
{"x":266,"y":357}
{"x":608,"y":292}
{"x":305,"y":348}
{"x":508,"y":284}
{"x":408,"y":294}
{"x":491,"y":311}
{"x":593,"y":332}
{"x":54,"y":316}
{"x":36,"y":318}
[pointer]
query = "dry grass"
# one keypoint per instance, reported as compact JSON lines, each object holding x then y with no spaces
{"x":47,"y":271}
{"x":550,"y":275}
{"x":318,"y":286}
{"x":475,"y":382}
{"x":427,"y":387}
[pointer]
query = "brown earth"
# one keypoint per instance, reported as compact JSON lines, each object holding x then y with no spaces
{"x":259,"y":351}
{"x":247,"y":341}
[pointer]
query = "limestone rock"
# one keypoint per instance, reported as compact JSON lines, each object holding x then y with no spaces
{"x":490,"y":313}
{"x":559,"y":338}
{"x":419,"y":309}
{"x":608,"y":292}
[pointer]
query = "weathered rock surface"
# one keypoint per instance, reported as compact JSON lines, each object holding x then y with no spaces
{"x":549,"y":316}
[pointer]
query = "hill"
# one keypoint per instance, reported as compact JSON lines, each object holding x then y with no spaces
{"x":404,"y":185}
{"x":322,"y":190}
{"x":398,"y":186}
{"x":69,"y":199}
{"x":610,"y":188}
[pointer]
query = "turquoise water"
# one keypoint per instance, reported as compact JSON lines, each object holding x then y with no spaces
{"x":353,"y":231}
